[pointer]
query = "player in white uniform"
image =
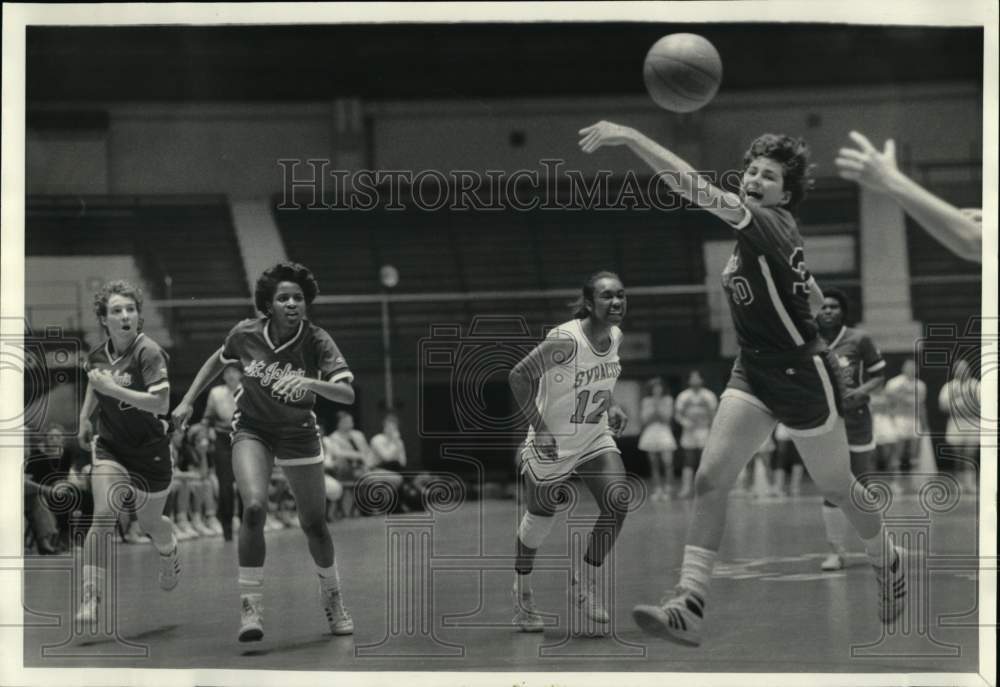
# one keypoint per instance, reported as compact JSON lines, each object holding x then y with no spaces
{"x":908,"y":398}
{"x":565,"y":389}
{"x":695,"y":409}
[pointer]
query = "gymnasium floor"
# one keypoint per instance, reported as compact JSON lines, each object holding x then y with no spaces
{"x":771,"y":609}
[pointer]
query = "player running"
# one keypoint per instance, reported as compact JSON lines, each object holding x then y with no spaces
{"x":784,"y":371}
{"x":861,"y":368}
{"x":286,"y":362}
{"x":130,"y":389}
{"x":565,"y":388}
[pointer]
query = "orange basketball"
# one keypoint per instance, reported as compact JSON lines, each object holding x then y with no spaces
{"x":682,"y":72}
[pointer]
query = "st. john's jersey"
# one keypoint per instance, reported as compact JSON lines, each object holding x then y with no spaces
{"x":142,"y":366}
{"x":857,"y":356}
{"x":768,"y":284}
{"x":309,"y":353}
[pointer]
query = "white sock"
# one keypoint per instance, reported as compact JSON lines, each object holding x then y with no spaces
{"x":696,"y":571}
{"x":836,"y":527}
{"x":251,"y":580}
{"x":329,"y":578}
{"x":877,"y":547}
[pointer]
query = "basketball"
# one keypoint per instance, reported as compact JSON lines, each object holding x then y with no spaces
{"x":682,"y":72}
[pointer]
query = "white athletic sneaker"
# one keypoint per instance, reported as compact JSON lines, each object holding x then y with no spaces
{"x":189,"y":531}
{"x":215,"y":526}
{"x":677,"y":619}
{"x":337,"y":616}
{"x":891,"y":588}
{"x":585,"y":596}
{"x":89,"y":606}
{"x":134,"y":535}
{"x":835,"y":561}
{"x":170,"y":570}
{"x":251,"y":618}
{"x":526,"y":615}
{"x":199,"y":526}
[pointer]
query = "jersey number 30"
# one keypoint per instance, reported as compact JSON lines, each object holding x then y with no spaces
{"x":601,"y":398}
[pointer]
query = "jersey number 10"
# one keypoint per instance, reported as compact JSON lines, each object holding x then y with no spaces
{"x":601,"y":398}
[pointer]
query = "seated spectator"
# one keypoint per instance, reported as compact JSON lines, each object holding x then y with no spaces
{"x":387,"y":447}
{"x":45,"y":470}
{"x":352,"y":458}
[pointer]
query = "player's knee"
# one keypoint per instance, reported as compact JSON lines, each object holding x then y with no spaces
{"x":534,"y":529}
{"x":254,"y":514}
{"x":314,"y":528}
{"x":705,"y":484}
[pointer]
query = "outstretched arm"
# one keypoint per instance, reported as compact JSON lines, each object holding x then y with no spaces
{"x":209,"y":371}
{"x":677,"y":173}
{"x":957,"y":230}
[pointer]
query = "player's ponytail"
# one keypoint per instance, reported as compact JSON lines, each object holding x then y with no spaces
{"x":581,"y":310}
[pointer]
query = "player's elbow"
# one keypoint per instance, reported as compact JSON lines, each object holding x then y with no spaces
{"x":347,"y":393}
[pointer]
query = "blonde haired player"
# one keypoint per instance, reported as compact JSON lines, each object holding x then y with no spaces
{"x":565,"y":387}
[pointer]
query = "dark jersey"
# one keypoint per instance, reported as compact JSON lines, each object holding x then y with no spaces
{"x":768,"y":284}
{"x":310,"y":353}
{"x":141,"y":367}
{"x":857,"y":356}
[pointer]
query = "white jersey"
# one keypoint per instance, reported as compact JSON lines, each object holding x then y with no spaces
{"x":573,"y":400}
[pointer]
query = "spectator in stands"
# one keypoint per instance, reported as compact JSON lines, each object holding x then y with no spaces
{"x":790,"y":465}
{"x":961,"y":231}
{"x":219,"y":416}
{"x":695,"y":409}
{"x":884,"y":429}
{"x":908,"y":399}
{"x":387,"y":446}
{"x":657,"y":437}
{"x":959,"y":400}
{"x":44,"y":471}
{"x":353,"y":456}
{"x":191,"y":486}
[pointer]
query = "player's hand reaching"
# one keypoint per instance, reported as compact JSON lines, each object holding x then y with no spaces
{"x":853,"y":400}
{"x":545,"y":444}
{"x":85,"y":434}
{"x":181,"y":414}
{"x":617,"y":420}
{"x":866,"y":165}
{"x":289,"y":384}
{"x":102,"y":381}
{"x":604,"y":134}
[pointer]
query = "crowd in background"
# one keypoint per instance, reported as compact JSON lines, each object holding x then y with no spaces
{"x":204,"y":502}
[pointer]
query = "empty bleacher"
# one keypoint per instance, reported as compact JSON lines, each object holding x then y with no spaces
{"x":184,"y":245}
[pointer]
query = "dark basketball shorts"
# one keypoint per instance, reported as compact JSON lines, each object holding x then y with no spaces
{"x":800,"y":389}
{"x":149,"y":473}
{"x":289,"y":445}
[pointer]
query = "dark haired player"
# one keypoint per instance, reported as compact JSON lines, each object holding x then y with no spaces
{"x":286,"y":362}
{"x":565,"y":388}
{"x":784,"y":372}
{"x":861,"y":369}
{"x":130,"y":390}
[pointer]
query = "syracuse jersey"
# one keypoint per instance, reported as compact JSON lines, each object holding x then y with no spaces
{"x":125,"y":429}
{"x":573,"y":399}
{"x":309,"y":353}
